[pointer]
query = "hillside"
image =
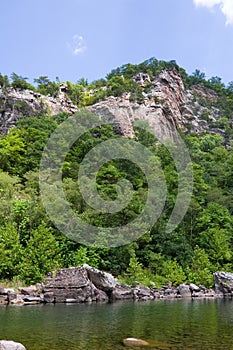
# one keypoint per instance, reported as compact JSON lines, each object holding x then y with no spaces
{"x":170,"y":103}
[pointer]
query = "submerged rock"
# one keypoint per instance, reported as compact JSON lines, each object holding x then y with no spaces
{"x":11,"y":345}
{"x":135,"y":342}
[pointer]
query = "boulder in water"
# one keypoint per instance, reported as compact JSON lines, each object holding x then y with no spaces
{"x":11,"y":345}
{"x":135,"y":342}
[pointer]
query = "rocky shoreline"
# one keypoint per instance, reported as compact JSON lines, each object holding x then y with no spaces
{"x":85,"y":284}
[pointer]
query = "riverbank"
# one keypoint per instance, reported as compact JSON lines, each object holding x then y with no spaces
{"x":85,"y":284}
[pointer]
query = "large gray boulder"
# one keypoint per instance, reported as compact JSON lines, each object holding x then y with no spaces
{"x":69,"y":284}
{"x":77,"y":285}
{"x":11,"y":345}
{"x":223,"y":282}
{"x":102,"y":280}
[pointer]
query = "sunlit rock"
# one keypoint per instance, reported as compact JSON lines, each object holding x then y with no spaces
{"x":135,"y":342}
{"x":11,"y":345}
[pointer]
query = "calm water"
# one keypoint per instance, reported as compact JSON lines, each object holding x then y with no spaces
{"x":180,"y":324}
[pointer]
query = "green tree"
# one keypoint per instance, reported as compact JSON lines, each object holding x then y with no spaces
{"x":19,"y":82}
{"x":10,"y":251}
{"x":201,"y":269}
{"x":47,"y":87}
{"x":40,"y":256}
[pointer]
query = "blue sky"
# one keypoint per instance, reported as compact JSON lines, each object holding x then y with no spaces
{"x":76,"y":38}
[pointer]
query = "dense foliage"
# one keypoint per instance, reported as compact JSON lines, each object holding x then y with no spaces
{"x":30,"y":245}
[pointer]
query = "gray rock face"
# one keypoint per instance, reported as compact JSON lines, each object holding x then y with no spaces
{"x":162,"y":117}
{"x":69,"y":284}
{"x":15,"y":104}
{"x":166,"y":106}
{"x":11,"y":345}
{"x":223,"y":282}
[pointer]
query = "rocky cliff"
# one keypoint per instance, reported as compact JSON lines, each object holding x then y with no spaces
{"x":15,"y":104}
{"x":166,"y":105}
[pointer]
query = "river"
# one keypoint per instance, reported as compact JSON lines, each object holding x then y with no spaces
{"x":178,"y":324}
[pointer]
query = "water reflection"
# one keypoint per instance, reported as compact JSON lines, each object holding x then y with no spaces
{"x":181,"y":324}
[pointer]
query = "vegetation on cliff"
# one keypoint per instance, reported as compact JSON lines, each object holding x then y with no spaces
{"x":30,"y":245}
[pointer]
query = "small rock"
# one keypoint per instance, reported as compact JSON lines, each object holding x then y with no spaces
{"x":3,"y":300}
{"x":121,"y":292}
{"x":168,"y":291}
{"x":18,"y":300}
{"x":184,"y":290}
{"x":202,"y":288}
{"x":135,"y":342}
{"x":28,"y":290}
{"x":32,"y":299}
{"x":9,"y":291}
{"x":194,"y":288}
{"x":153,"y":344}
{"x":142,"y":292}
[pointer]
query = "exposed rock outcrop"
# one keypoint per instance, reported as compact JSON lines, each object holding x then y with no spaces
{"x":15,"y":104}
{"x":223,"y":282}
{"x":161,"y":108}
{"x":165,"y":104}
{"x":87,"y":284}
{"x":71,"y":285}
{"x":142,"y":79}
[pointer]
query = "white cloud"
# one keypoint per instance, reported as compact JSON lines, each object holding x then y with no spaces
{"x":77,"y":45}
{"x":226,"y":7}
